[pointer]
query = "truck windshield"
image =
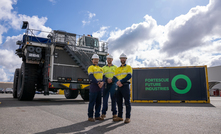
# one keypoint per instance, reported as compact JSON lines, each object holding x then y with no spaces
{"x":93,"y":42}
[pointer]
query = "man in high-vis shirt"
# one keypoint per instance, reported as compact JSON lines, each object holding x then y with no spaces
{"x":122,"y":78}
{"x":96,"y":83}
{"x":110,"y":86}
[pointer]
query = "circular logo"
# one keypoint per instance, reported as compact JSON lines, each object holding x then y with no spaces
{"x":180,"y":91}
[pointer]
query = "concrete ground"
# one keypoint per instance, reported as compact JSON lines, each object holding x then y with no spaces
{"x":54,"y":115}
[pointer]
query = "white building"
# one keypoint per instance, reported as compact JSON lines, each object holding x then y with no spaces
{"x":214,"y":76}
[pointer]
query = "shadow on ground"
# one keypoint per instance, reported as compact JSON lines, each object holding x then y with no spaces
{"x":85,"y":127}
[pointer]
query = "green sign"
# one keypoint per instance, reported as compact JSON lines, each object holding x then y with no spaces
{"x":170,"y":83}
{"x":187,"y":79}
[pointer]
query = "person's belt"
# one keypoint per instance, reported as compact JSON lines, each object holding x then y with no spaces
{"x":93,"y":83}
{"x":126,"y":83}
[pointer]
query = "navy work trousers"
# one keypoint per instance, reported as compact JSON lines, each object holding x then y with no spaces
{"x":123,"y":92}
{"x":109,"y":90}
{"x":94,"y":101}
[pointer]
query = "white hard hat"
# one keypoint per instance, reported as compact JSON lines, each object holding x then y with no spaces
{"x":110,"y":56}
{"x":123,"y":56}
{"x":95,"y":56}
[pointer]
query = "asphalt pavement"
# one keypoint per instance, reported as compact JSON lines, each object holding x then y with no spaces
{"x":56,"y":115}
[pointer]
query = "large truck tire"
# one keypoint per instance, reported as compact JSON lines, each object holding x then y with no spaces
{"x":27,"y":81}
{"x":70,"y":94}
{"x":15,"y":82}
{"x":84,"y":94}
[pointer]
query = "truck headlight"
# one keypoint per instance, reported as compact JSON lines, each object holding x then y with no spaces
{"x":30,"y":49}
{"x":38,"y":50}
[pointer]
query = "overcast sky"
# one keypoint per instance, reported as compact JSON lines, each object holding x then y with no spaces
{"x":152,"y":33}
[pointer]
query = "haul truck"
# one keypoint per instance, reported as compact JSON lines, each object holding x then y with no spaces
{"x":58,"y":61}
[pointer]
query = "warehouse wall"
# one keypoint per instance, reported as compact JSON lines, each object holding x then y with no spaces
{"x":6,"y":85}
{"x":214,"y":74}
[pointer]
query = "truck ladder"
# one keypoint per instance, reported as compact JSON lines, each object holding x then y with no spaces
{"x":81,"y":58}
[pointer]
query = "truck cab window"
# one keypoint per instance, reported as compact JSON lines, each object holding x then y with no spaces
{"x":91,"y":42}
{"x":96,"y":43}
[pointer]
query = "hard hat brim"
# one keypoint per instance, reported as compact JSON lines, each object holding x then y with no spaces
{"x":109,"y":58}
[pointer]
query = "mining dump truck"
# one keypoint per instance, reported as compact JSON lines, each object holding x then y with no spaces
{"x":55,"y":60}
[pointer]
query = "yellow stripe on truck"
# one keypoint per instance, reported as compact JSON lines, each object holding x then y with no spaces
{"x":66,"y":85}
{"x":84,"y":86}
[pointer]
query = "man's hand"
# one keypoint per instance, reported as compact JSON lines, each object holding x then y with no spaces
{"x":109,"y":80}
{"x":101,"y":84}
{"x":119,"y":84}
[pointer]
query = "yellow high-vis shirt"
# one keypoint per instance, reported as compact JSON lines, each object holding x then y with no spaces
{"x":122,"y":72}
{"x":96,"y":71}
{"x":109,"y":71}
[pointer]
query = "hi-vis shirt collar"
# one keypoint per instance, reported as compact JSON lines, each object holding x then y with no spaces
{"x":110,"y":66}
{"x":124,"y":65}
